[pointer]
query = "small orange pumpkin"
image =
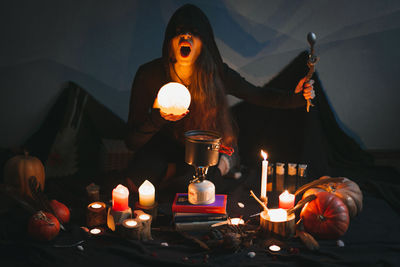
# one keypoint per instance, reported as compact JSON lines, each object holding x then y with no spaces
{"x":325,"y":217}
{"x":19,"y":169}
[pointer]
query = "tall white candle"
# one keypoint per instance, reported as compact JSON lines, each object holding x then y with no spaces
{"x":264,"y":176}
{"x":146,"y":194}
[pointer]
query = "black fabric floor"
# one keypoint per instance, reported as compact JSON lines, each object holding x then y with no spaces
{"x":314,"y":138}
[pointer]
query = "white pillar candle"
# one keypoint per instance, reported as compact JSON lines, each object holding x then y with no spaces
{"x":264,"y":176}
{"x":146,"y":194}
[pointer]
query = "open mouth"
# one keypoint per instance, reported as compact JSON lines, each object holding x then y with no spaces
{"x":185,"y":51}
{"x":186,"y":48}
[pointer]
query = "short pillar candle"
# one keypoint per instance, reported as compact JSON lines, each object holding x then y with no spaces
{"x":146,"y":194}
{"x":286,"y":200}
{"x":120,"y":198}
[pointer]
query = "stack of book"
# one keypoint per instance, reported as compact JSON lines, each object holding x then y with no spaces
{"x":190,"y":217}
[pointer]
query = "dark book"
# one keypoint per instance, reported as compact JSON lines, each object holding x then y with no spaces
{"x":194,"y":226}
{"x":182,"y":204}
{"x":198,"y":217}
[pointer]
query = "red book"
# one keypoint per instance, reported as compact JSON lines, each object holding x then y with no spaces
{"x":182,"y":204}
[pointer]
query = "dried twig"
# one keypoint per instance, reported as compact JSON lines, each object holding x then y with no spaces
{"x":196,"y":240}
{"x":301,"y":203}
{"x":258,"y":200}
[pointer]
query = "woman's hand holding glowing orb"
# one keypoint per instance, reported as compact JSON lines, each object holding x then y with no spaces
{"x":173,"y":98}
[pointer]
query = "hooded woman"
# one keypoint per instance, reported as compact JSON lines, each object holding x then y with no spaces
{"x":190,"y":56}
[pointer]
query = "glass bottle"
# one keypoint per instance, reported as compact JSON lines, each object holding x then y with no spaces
{"x":291,"y":179}
{"x":302,"y":175}
{"x":280,"y":177}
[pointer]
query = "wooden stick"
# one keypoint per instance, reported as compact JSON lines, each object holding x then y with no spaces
{"x":258,"y":200}
{"x":301,"y":203}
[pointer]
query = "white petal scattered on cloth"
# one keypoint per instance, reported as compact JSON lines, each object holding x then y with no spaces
{"x":340,"y":243}
{"x":241,"y":205}
{"x":164,"y":244}
{"x":251,"y":254}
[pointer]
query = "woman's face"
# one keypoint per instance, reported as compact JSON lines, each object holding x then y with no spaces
{"x":186,"y":48}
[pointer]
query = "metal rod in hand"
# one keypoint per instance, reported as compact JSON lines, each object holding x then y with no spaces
{"x":312,"y":60}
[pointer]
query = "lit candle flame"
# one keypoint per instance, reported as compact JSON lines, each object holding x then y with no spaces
{"x":95,"y":231}
{"x":96,"y":206}
{"x":131,"y":223}
{"x":144,"y":217}
{"x":274,"y":248}
{"x":264,"y":154}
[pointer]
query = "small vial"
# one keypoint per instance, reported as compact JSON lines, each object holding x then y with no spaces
{"x":302,"y":175}
{"x":291,"y":177}
{"x":280,"y":176}
{"x":270,"y":177}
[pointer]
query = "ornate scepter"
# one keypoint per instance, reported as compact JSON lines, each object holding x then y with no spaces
{"x":312,"y":60}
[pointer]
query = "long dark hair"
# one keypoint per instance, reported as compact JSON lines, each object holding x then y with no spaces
{"x":209,"y":109}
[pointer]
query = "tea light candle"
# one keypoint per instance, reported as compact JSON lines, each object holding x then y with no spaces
{"x":120,"y":196}
{"x":277,"y":215}
{"x":95,"y":206}
{"x":264,"y":176}
{"x":277,"y":222}
{"x":145,"y":220}
{"x":95,"y":231}
{"x":132,"y":228}
{"x":274,"y":248}
{"x":286,"y":200}
{"x":96,"y":214}
{"x":146,"y":194}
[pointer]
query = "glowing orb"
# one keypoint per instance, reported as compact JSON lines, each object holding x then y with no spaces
{"x":173,"y":98}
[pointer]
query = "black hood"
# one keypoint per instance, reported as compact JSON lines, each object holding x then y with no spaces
{"x":190,"y":18}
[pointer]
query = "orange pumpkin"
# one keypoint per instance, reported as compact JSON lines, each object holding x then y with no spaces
{"x":347,"y":190}
{"x":19,"y":169}
{"x":325,"y":217}
{"x":43,"y":226}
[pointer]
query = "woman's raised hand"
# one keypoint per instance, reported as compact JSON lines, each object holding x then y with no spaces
{"x":306,"y":87}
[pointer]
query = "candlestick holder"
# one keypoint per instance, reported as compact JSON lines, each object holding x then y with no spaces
{"x":152,"y":210}
{"x":145,"y":220}
{"x":115,"y":217}
{"x":132,"y":229}
{"x":283,"y":229}
{"x":96,"y":214}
